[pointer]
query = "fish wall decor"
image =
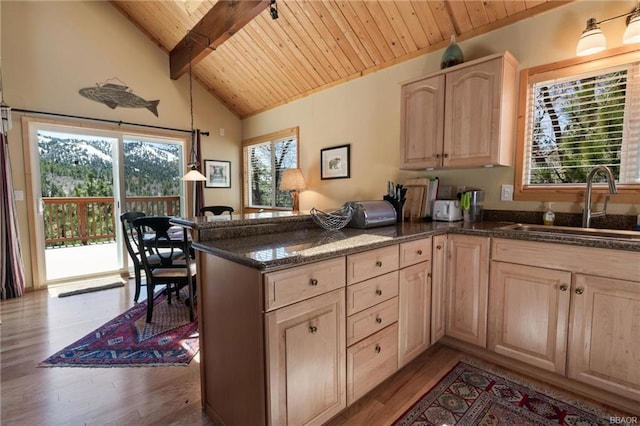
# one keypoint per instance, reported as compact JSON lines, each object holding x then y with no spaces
{"x":118,"y":95}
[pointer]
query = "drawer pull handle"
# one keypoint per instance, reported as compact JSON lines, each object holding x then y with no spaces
{"x":379,"y":320}
{"x":378,"y":349}
{"x":313,"y":329}
{"x":579,"y":290}
{"x":313,"y":281}
{"x":419,"y":252}
{"x":379,"y":292}
{"x":378,"y":264}
{"x":564,"y":287}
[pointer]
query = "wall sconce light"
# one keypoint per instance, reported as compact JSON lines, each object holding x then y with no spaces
{"x":593,"y":40}
{"x":273,"y":9}
{"x":293,"y":181}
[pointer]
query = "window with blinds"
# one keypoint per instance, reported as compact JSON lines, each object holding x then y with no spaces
{"x":264,"y":159}
{"x":573,"y":115}
{"x":579,"y":120}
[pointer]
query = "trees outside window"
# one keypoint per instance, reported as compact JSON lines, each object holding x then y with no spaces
{"x":265,"y":158}
{"x":575,"y":115}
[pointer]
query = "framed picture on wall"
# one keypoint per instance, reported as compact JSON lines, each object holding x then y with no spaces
{"x":334,"y":162}
{"x":218,"y":174}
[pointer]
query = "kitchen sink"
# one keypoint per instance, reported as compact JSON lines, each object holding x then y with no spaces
{"x":577,"y":232}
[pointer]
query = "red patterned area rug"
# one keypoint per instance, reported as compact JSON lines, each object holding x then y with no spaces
{"x":128,"y":341}
{"x":474,"y":395}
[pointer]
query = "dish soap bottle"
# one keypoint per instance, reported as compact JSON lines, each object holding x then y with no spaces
{"x":549,"y":216}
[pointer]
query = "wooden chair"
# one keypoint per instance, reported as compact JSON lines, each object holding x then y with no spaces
{"x":131,"y":241}
{"x":174,"y":268}
{"x":216,"y":210}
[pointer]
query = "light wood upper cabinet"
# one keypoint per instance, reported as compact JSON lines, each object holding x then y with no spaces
{"x":306,"y":356}
{"x":422,"y":127}
{"x":529,"y":313}
{"x":460,"y":117}
{"x":467,"y":288}
{"x":604,"y":348}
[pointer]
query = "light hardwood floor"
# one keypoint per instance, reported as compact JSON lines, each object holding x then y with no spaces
{"x":39,"y":324}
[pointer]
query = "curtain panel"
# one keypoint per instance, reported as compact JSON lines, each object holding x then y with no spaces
{"x":12,"y":273}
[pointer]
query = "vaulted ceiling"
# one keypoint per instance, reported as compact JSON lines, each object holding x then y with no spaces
{"x":252,"y":63}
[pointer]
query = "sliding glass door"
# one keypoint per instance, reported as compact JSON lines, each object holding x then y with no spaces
{"x":83,"y":179}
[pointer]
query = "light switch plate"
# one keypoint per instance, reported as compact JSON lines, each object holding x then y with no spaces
{"x":506,"y":193}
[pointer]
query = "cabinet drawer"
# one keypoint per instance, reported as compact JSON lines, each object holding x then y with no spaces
{"x":371,"y":361}
{"x":371,"y":320}
{"x":372,"y":263}
{"x":371,"y":292}
{"x":415,"y":252}
{"x":300,"y":283}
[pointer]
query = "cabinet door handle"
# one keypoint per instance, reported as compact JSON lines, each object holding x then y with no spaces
{"x":379,"y":292}
{"x":313,"y":329}
{"x":437,"y":155}
{"x":313,"y":281}
{"x":378,"y":264}
{"x":378,"y":349}
{"x":419,"y":252}
{"x":579,"y":290}
{"x":379,"y":320}
{"x":446,"y":155}
{"x":439,"y":247}
{"x":429,"y":274}
{"x":564,"y":287}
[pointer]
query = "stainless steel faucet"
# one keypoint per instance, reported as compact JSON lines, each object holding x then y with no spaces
{"x":587,"y":214}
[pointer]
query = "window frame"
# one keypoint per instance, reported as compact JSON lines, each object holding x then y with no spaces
{"x":627,"y":193}
{"x":292,"y":132}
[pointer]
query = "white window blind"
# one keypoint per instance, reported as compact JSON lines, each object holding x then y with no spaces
{"x":264,"y":161}
{"x":575,"y":122}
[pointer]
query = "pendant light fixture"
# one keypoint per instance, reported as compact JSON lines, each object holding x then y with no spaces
{"x":593,"y":40}
{"x":194,"y":174}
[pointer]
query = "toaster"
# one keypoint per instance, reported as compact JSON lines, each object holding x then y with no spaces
{"x":447,"y":210}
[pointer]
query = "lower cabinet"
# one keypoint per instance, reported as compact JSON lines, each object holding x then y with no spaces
{"x":415,"y":312}
{"x":438,"y":289}
{"x":550,"y":307}
{"x":306,"y":360}
{"x":529,"y":313}
{"x":604,"y":344}
{"x":370,"y":361}
{"x":467,"y":288}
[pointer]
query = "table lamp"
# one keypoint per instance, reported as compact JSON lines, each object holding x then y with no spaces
{"x":293,"y":181}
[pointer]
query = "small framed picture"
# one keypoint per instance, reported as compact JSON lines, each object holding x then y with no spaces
{"x":334,"y":162}
{"x":218,"y":174}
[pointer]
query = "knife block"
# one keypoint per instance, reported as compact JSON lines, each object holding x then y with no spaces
{"x":397,"y":205}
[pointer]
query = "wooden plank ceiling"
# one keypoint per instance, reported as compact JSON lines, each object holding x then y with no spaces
{"x":315,"y":44}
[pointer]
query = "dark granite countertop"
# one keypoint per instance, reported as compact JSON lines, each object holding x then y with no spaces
{"x":285,"y":241}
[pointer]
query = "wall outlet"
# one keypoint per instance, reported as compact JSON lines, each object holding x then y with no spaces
{"x":506,"y":193}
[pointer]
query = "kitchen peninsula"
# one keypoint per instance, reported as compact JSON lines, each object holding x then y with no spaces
{"x":297,"y":323}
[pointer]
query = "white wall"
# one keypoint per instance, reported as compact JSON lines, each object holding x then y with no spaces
{"x":51,"y":49}
{"x":366,"y":112}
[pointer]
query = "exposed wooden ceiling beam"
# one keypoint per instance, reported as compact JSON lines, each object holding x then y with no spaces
{"x":221,"y":22}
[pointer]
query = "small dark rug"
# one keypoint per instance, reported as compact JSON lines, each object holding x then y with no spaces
{"x":90,"y":289}
{"x":474,"y":395}
{"x":129,"y":341}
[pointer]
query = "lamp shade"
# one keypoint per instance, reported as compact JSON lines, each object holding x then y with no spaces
{"x":292,"y":179}
{"x":194,"y":176}
{"x":632,"y":32}
{"x":592,"y":40}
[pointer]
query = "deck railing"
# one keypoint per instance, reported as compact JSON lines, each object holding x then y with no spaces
{"x":84,"y":220}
